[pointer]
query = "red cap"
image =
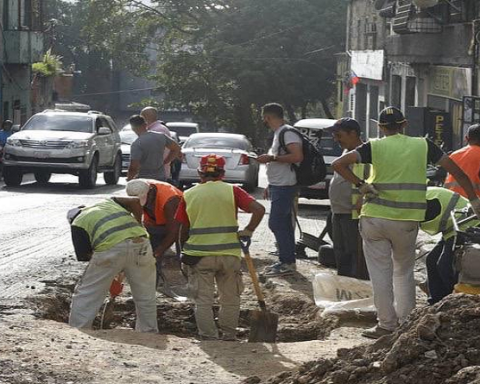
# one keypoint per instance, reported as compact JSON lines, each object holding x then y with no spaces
{"x":211,"y":163}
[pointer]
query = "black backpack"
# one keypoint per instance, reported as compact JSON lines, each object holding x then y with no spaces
{"x":312,"y":169}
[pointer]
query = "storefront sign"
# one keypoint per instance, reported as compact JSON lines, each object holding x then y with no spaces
{"x":439,"y":128}
{"x":368,"y":64}
{"x":449,"y":82}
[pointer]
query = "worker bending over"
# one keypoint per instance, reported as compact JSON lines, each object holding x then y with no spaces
{"x":440,"y":260}
{"x":111,"y":236}
{"x":212,"y":252}
{"x":160,"y":201}
{"x":395,"y":203}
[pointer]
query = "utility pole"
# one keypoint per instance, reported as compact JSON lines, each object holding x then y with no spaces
{"x":475,"y":55}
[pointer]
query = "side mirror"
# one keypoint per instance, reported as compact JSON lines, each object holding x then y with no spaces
{"x":102,"y":131}
{"x":15,"y":128}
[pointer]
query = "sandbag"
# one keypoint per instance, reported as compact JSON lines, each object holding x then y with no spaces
{"x":343,"y":296}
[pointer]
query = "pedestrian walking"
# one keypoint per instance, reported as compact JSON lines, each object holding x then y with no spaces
{"x":395,"y":203}
{"x":441,"y":275}
{"x":160,"y":202}
{"x":211,"y":251}
{"x":468,"y":159}
{"x":281,"y":188}
{"x":150,"y":114}
{"x":345,"y":202}
{"x":110,"y":235}
{"x":146,"y":153}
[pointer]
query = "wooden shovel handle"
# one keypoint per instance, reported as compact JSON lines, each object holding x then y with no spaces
{"x":253,"y":275}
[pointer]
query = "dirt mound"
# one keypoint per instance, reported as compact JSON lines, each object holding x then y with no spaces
{"x":438,"y":344}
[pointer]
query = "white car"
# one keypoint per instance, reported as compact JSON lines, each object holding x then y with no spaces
{"x":53,"y":141}
{"x":314,"y":130}
{"x":183,"y":129}
{"x":240,"y":167}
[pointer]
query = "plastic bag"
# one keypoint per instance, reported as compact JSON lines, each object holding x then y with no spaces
{"x":343,"y":296}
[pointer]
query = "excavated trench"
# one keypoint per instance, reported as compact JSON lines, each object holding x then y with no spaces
{"x":290,"y":298}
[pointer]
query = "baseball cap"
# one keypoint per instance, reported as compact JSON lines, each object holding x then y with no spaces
{"x":211,"y":163}
{"x":139,"y":188}
{"x":345,"y":124}
{"x":391,"y":115}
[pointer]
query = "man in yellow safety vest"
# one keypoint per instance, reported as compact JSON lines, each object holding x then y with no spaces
{"x":110,"y":235}
{"x":395,"y":203}
{"x":211,"y":251}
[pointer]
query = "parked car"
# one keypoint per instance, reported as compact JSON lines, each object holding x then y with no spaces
{"x":237,"y":150}
{"x":53,"y":141}
{"x":314,"y":129}
{"x":183,"y":130}
{"x":128,"y":137}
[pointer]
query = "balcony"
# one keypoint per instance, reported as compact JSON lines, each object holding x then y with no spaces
{"x":22,"y":47}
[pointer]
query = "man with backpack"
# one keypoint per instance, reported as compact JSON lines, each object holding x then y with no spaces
{"x":282,"y":186}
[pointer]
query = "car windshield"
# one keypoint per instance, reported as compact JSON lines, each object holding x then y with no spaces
{"x":59,"y":123}
{"x":184,"y":130}
{"x":128,"y":136}
{"x":216,"y":142}
{"x":329,"y":146}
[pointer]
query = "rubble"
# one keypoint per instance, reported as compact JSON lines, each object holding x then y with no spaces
{"x":438,"y":344}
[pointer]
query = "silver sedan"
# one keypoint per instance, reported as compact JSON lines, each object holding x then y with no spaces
{"x":240,"y":168}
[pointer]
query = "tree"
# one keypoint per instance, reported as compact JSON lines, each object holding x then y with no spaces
{"x":224,"y":59}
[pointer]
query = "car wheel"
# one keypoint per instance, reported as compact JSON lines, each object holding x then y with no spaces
{"x":111,"y":178}
{"x":88,"y":178}
{"x":12,"y":176}
{"x":42,"y":177}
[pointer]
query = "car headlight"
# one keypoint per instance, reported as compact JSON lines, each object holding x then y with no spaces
{"x":14,"y":142}
{"x":78,"y":144}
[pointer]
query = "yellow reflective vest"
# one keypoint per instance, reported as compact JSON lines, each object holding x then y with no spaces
{"x":399,"y":166}
{"x":449,"y":201}
{"x":212,"y":214}
{"x":107,"y":224}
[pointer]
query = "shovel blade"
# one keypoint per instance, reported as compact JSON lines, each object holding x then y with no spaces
{"x":263,"y":327}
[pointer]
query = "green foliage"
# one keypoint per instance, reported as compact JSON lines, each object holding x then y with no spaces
{"x":51,"y":65}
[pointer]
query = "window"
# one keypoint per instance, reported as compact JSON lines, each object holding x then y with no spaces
{"x":396,"y":97}
{"x":410,"y":91}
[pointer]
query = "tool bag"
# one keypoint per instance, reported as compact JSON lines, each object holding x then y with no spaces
{"x":312,"y":168}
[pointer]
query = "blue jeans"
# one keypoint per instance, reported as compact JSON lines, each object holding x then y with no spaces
{"x":441,"y":274}
{"x":280,"y":221}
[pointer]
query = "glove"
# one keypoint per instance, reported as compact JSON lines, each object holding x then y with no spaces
{"x":476,"y":206}
{"x":368,"y":190}
{"x":245,"y":233}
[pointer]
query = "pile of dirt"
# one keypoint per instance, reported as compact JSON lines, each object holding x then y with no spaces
{"x":438,"y":344}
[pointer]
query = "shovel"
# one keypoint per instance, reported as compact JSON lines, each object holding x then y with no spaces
{"x":116,"y":289}
{"x":263,"y":324}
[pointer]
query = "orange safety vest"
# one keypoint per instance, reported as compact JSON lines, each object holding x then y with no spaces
{"x":165,"y":192}
{"x":468,"y":159}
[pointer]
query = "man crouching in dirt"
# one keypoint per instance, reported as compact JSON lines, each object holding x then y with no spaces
{"x":212,"y":252}
{"x":110,"y":235}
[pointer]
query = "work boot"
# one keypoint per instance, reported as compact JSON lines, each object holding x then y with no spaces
{"x":376,"y":332}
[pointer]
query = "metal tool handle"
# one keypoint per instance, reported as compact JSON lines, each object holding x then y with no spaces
{"x":245,"y":243}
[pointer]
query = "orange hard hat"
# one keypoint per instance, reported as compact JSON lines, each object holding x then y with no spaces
{"x":211,"y":163}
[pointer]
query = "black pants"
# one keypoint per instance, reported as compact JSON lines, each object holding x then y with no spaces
{"x":440,"y":271}
{"x":157,"y":234}
{"x":347,"y":245}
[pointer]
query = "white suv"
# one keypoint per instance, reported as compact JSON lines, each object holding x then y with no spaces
{"x":53,"y":141}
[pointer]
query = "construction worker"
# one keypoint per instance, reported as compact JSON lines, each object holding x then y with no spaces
{"x":395,"y":203}
{"x":468,"y":159}
{"x":345,"y":201}
{"x":440,"y":260}
{"x":160,"y":201}
{"x":111,"y":236}
{"x":212,"y":252}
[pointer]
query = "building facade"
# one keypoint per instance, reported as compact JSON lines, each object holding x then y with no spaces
{"x":429,"y":65}
{"x":22,"y":35}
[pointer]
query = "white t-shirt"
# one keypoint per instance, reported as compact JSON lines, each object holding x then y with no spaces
{"x":282,"y":174}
